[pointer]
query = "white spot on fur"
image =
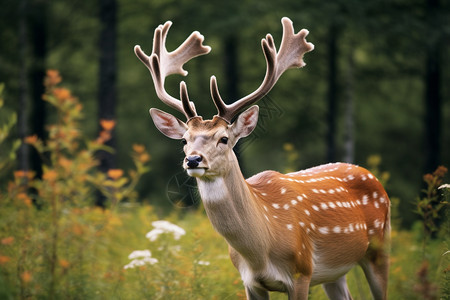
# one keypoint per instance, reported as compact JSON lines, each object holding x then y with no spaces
{"x":323,"y":206}
{"x":301,"y":224}
{"x":283,"y":191}
{"x":289,"y":226}
{"x":375,"y":195}
{"x":365,"y":200}
{"x":323,"y":230}
{"x":286,"y":206}
{"x":293,"y":202}
{"x":315,"y":207}
{"x":331,"y":205}
{"x":276,"y":205}
{"x":307,"y":212}
{"x":337,"y":229}
{"x":315,"y":191}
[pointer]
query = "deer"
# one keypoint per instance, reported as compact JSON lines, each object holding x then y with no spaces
{"x":285,"y":232}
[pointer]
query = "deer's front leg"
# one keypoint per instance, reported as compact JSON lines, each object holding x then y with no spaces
{"x":301,"y":288}
{"x":256,"y":293}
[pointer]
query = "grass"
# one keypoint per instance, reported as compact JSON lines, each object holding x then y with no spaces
{"x":91,"y":265}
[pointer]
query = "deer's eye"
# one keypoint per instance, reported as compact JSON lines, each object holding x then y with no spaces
{"x":224,"y":140}
{"x":183,"y":141}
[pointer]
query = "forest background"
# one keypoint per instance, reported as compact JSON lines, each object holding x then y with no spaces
{"x":374,"y":91}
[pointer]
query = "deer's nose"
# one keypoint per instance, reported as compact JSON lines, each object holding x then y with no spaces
{"x":193,"y":161}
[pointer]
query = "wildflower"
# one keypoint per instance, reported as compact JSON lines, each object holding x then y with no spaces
{"x":64,"y":263}
{"x":4,"y":259}
{"x":162,"y":227}
{"x":61,"y":94}
{"x":140,"y":258}
{"x":32,"y":139}
{"x":52,"y":78}
{"x":444,"y":186}
{"x":26,"y":276}
{"x":107,"y":125}
{"x":140,"y":254}
{"x":138,"y":148}
{"x":203,"y":263}
{"x":115,"y":173}
{"x":144,"y":157}
{"x":50,"y":175}
{"x":7,"y":240}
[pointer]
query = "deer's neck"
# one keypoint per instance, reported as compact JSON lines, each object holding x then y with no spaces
{"x":234,"y":212}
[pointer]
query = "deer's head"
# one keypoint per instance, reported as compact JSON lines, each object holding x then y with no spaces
{"x":208,"y":144}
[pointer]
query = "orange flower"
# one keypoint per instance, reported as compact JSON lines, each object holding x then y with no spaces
{"x":24,"y":197}
{"x":144,"y":157}
{"x":107,"y":125}
{"x":138,"y":148}
{"x":32,"y":139}
{"x":61,"y":93}
{"x":8,"y":240}
{"x":20,"y":173}
{"x":64,"y":263}
{"x":65,"y":163}
{"x":4,"y":259}
{"x":50,"y":175}
{"x":26,"y":276}
{"x":115,"y":173}
{"x":53,"y":77}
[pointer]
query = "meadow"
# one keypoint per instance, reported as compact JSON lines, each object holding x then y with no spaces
{"x":56,"y":244}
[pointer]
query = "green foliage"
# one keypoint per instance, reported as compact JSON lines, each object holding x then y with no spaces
{"x":7,"y":156}
{"x":430,"y":206}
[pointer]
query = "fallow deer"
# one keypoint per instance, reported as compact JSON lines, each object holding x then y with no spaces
{"x":286,"y":232}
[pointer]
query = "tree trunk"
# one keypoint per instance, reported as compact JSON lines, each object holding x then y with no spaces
{"x":349,"y":112}
{"x":107,"y":80}
{"x":332,"y":94}
{"x":23,"y":86}
{"x":433,"y":101}
{"x":38,"y":30}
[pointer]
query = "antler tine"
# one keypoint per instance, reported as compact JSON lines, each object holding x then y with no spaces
{"x":293,"y":47}
{"x":162,"y":63}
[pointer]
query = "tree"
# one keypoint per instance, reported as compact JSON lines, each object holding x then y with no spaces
{"x":107,"y":76}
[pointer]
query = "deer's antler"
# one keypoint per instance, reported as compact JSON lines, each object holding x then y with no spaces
{"x":162,"y":63}
{"x":293,"y":47}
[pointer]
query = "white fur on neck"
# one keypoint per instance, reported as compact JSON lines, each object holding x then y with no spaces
{"x":213,"y":191}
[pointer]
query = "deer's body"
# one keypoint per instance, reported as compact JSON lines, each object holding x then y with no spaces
{"x":285,"y":231}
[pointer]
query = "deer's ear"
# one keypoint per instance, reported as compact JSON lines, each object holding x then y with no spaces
{"x":168,"y":124}
{"x":245,"y":123}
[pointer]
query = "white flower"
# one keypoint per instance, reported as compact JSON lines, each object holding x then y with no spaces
{"x":165,"y":227}
{"x":139,"y":254}
{"x":444,"y":186}
{"x":141,"y":262}
{"x":203,"y":263}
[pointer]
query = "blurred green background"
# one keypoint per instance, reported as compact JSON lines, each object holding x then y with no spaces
{"x":377,"y":82}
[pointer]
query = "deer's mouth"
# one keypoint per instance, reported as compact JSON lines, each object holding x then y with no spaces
{"x":196,"y":172}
